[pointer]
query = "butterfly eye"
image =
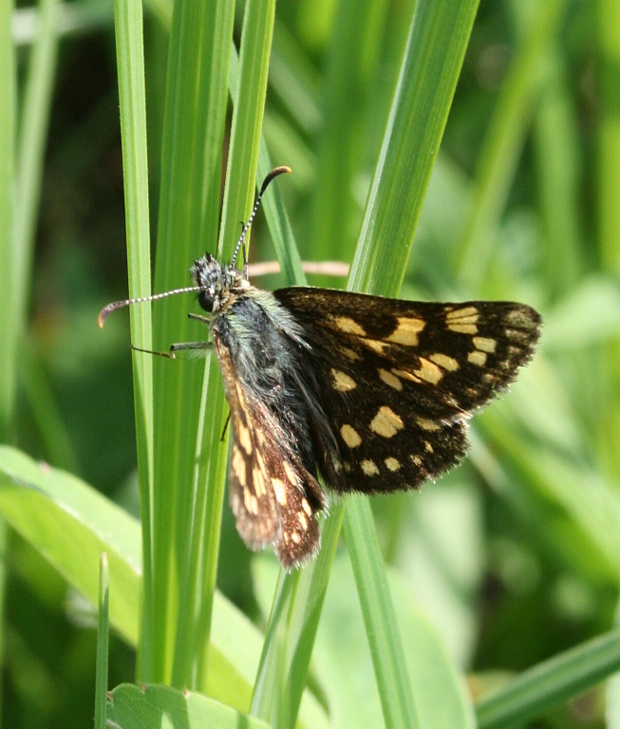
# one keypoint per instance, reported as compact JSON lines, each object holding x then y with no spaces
{"x":206,"y":301}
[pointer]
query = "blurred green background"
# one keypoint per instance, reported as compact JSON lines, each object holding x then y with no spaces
{"x":515,"y":555}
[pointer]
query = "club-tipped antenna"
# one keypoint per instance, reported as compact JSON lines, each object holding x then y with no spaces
{"x":107,"y":310}
{"x":272,"y":175}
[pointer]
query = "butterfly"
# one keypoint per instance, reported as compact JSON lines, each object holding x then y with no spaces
{"x":371,"y":394}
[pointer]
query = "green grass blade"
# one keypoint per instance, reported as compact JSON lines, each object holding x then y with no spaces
{"x":391,"y":673}
{"x":548,"y":685}
{"x":71,"y":524}
{"x":435,"y":679}
{"x":430,"y":69}
{"x":9,"y":331}
{"x":199,"y":517}
{"x":21,"y":184}
{"x":130,"y":65}
{"x":31,"y":143}
{"x":504,"y":140}
{"x":304,"y":620}
{"x":355,"y":35}
{"x":273,"y":208}
{"x":608,"y":221}
{"x":434,"y":54}
{"x":291,"y":631}
{"x":248,"y":105}
{"x":249,"y":101}
{"x":609,"y":137}
{"x":193,"y":132}
{"x":560,"y":162}
{"x":8,"y":251}
{"x":103,"y":627}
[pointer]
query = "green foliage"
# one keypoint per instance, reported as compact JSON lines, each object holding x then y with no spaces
{"x":504,"y":186}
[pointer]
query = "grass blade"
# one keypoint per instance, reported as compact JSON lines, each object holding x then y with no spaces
{"x":435,"y":50}
{"x":550,"y":684}
{"x":130,"y":65}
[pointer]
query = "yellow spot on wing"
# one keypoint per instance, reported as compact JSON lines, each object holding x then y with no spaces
{"x":350,"y":354}
{"x":306,"y":507}
{"x":485,"y":344}
{"x":349,"y":326}
{"x":342,"y":382}
{"x":467,"y":312}
{"x":238,"y":466}
{"x":251,"y":504}
{"x":290,"y":473}
{"x":406,"y":375}
{"x":477,"y":358}
{"x":386,"y":422}
{"x":390,"y":379}
{"x":406,"y":331}
{"x":463,"y":328}
{"x":375,"y":345}
{"x":427,"y":424}
{"x":244,"y":439}
{"x":428,"y":372}
{"x":259,"y":482}
{"x":369,"y":467}
{"x":463,"y":320}
{"x":392,"y":464}
{"x":444,"y":361}
{"x":350,"y":436}
{"x":279,"y":490}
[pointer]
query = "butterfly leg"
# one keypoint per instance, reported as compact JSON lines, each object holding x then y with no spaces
{"x":151,"y":351}
{"x":191,"y":346}
{"x":174,"y":348}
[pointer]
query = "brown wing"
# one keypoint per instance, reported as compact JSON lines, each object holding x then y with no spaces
{"x":273,"y":497}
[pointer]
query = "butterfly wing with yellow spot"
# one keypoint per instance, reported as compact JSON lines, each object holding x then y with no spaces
{"x":397,"y":380}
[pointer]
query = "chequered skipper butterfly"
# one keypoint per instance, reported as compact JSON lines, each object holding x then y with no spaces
{"x":371,"y":393}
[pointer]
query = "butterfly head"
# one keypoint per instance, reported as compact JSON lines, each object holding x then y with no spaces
{"x":216,"y":283}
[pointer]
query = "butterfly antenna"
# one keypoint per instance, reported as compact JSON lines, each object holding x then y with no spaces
{"x":107,"y":310}
{"x":241,"y":242}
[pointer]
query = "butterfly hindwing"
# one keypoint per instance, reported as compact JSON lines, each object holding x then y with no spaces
{"x":272,"y":495}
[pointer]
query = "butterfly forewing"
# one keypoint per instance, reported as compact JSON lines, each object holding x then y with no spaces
{"x":399,"y":379}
